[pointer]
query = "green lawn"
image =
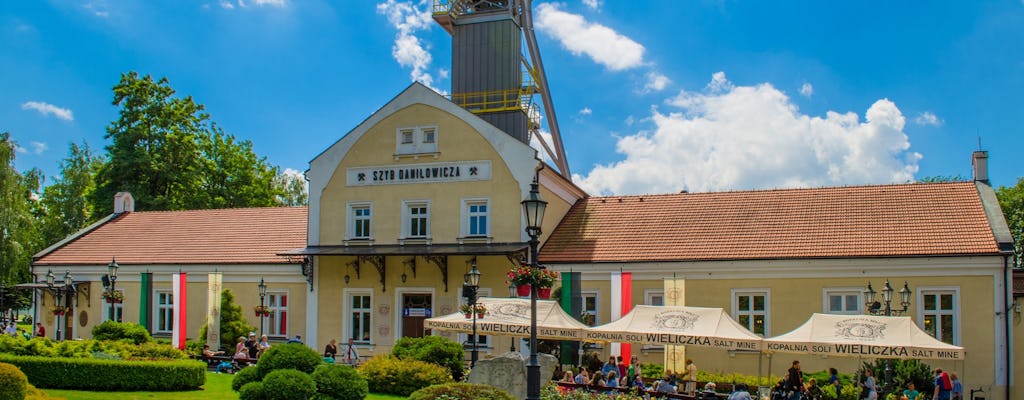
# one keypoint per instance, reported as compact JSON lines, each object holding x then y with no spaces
{"x":218,"y":386}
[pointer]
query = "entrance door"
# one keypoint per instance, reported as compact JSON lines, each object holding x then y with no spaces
{"x":416,"y":307}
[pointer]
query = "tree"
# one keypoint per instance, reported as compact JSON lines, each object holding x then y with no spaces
{"x":294,"y":188}
{"x":19,"y":238}
{"x":167,"y":152}
{"x":232,"y":323}
{"x":1011,"y":200}
{"x":942,"y":178}
{"x":65,"y":202}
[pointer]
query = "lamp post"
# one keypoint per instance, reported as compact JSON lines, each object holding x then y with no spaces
{"x":512,"y":294}
{"x":263,"y":295}
{"x":533,"y":208}
{"x":471,"y":283}
{"x":112,"y":276}
{"x":58,"y":293}
{"x":884,"y":307}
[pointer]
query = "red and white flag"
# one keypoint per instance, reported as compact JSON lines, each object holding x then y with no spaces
{"x":178,"y":284}
{"x":621,"y":304}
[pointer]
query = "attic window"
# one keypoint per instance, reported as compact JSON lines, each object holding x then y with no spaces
{"x":416,"y":140}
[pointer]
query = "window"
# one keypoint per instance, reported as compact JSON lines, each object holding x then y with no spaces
{"x":939,"y":311}
{"x":361,"y":217}
{"x":842,"y":301}
{"x":164,"y":311}
{"x":590,"y":309}
{"x":416,"y":140}
{"x":481,"y":340}
{"x":475,"y":218}
{"x":654,"y":297}
{"x":118,"y":310}
{"x":417,"y":220}
{"x":751,"y":309}
{"x":277,"y":322}
{"x":360,"y":317}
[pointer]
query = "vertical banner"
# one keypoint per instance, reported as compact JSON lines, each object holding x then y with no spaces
{"x":577,"y":308}
{"x":567,"y":355}
{"x":178,"y":282}
{"x":146,"y":301}
{"x":675,"y":295}
{"x":615,"y":309}
{"x":215,"y":282}
{"x":626,"y":349}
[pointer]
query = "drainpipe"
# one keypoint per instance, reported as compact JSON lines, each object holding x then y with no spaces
{"x":1007,"y":285}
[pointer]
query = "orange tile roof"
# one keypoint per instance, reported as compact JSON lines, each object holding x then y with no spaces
{"x":857,"y":221}
{"x":224,"y":236}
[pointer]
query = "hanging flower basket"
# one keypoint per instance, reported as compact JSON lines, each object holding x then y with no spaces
{"x":544,"y":293}
{"x":480,"y":310}
{"x":262,"y":311}
{"x":523,"y":290}
{"x":545,"y":278}
{"x":60,"y":310}
{"x":113,"y":296}
{"x":520,"y":275}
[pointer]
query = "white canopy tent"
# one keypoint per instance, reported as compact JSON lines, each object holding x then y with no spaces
{"x":511,"y":317}
{"x":677,"y":325}
{"x":863,"y":336}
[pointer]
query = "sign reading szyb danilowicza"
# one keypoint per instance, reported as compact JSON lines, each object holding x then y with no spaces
{"x":462,"y":171}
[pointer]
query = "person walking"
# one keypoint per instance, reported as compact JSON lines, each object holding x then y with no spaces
{"x":958,"y":389}
{"x":833,"y":380}
{"x":690,"y":387}
{"x":795,"y":381}
{"x":943,"y":385}
{"x":870,"y":386}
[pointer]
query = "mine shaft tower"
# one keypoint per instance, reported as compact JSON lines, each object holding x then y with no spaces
{"x":492,"y":78}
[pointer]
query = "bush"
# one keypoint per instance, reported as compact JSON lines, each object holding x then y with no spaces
{"x":13,"y":383}
{"x":903,"y":372}
{"x":121,"y":349}
{"x":110,"y":375}
{"x":113,"y":330}
{"x":288,"y":384}
{"x":288,"y":356}
{"x":243,"y":377}
{"x":387,"y":374}
{"x":252,"y":391}
{"x":432,"y":349}
{"x":461,"y":391}
{"x":232,"y":322}
{"x":340,"y":382}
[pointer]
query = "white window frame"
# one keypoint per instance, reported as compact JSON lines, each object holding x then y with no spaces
{"x":420,"y":143}
{"x":118,"y":308}
{"x":467,"y":216}
{"x":649,"y":295}
{"x":352,"y":207}
{"x":482,"y":341}
{"x":597,"y":304}
{"x":160,"y":308}
{"x":349,"y":310}
{"x":923,"y":291}
{"x":827,"y":293}
{"x":277,"y":310}
{"x":734,"y":299}
{"x":407,"y":206}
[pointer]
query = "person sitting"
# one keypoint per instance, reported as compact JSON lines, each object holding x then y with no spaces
{"x":264,"y":345}
{"x":813,"y":391}
{"x":598,"y":379}
{"x":296,"y":339}
{"x":331,"y":350}
{"x":664,"y":386}
{"x":207,"y":353}
{"x":612,"y":380}
{"x":740,"y":392}
{"x":709,"y":392}
{"x":911,"y":393}
{"x":638,"y":382}
{"x":582,"y":377}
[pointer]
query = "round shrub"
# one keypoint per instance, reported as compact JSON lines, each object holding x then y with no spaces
{"x":432,"y":349}
{"x":387,"y":374}
{"x":252,"y":391}
{"x":461,"y":391}
{"x":288,"y":384}
{"x":13,"y":382}
{"x":113,"y":330}
{"x":288,"y":356}
{"x":340,"y":382}
{"x":244,"y":376}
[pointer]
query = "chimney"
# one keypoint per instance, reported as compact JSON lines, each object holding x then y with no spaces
{"x":979,"y":164}
{"x":123,"y":202}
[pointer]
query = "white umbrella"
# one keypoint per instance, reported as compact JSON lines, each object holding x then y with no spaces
{"x":511,"y":317}
{"x":677,"y":325}
{"x":863,"y":336}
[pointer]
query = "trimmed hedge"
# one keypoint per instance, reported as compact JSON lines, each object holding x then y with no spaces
{"x":288,"y":356}
{"x":13,"y":383}
{"x":432,"y":349}
{"x":252,"y":391}
{"x":387,"y":374}
{"x":339,"y":382}
{"x":110,"y":375}
{"x":113,"y":330}
{"x":288,"y":384}
{"x":244,"y":376}
{"x":461,"y":391}
{"x":122,"y":349}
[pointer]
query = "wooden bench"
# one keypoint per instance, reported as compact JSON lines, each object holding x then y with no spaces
{"x":626,"y":389}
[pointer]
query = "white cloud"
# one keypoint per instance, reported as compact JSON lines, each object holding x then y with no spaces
{"x":49,"y":109}
{"x":806,"y":90}
{"x":408,"y":50}
{"x":227,"y":5}
{"x":273,"y":3}
{"x":656,"y":82}
{"x":20,"y":150}
{"x":586,"y":111}
{"x":629,"y":120}
{"x":744,"y":137}
{"x":928,"y":118}
{"x":601,"y":43}
{"x":596,"y":4}
{"x":37,"y":147}
{"x":97,"y":8}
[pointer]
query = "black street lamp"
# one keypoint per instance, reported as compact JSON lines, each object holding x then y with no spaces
{"x":512,"y":293}
{"x":471,"y":283}
{"x":533,"y":209}
{"x":263,"y":295}
{"x":884,"y":307}
{"x":112,"y":276}
{"x":58,"y":293}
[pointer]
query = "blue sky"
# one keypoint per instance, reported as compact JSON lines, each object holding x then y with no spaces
{"x":651,"y":96}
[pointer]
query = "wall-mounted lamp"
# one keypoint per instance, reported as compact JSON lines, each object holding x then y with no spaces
{"x":410,"y":263}
{"x":354,"y":265}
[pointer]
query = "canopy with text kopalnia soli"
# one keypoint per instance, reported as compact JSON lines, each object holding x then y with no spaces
{"x":677,"y":325}
{"x":511,"y":317}
{"x":866,"y":336}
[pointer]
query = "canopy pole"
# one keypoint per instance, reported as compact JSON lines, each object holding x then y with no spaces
{"x":760,"y":377}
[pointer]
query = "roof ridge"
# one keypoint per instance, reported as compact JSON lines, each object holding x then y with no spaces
{"x":908,"y":184}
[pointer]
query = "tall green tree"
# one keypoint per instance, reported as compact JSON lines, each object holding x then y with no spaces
{"x":65,"y":202}
{"x":167,"y":152}
{"x":19,"y":238}
{"x":1011,"y":200}
{"x":293,"y":187}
